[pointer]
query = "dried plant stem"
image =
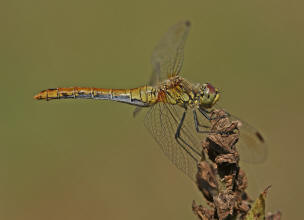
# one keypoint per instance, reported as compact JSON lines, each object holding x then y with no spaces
{"x":220,"y":179}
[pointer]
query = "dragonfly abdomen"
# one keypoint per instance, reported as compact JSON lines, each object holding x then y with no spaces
{"x":141,"y":96}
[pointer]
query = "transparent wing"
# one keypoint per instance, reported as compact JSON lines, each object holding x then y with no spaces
{"x":168,"y":55}
{"x":162,"y":121}
{"x":251,"y":145}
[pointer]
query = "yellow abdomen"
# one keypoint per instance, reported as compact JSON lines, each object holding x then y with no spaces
{"x":141,"y":96}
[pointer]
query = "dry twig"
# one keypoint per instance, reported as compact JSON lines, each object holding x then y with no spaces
{"x":220,"y":179}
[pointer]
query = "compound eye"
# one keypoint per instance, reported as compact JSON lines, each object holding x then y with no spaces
{"x":211,"y":89}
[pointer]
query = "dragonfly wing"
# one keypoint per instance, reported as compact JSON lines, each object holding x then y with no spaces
{"x":168,"y":55}
{"x":162,"y":121}
{"x":251,"y":144}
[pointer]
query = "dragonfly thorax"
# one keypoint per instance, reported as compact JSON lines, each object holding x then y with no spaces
{"x":177,"y":90}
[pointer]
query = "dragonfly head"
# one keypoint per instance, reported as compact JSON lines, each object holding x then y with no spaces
{"x":208,"y":95}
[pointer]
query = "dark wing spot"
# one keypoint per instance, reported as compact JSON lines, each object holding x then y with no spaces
{"x":188,"y":23}
{"x":260,"y":137}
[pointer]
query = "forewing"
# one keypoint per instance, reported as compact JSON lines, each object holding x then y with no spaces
{"x":162,"y":121}
{"x":168,"y":55}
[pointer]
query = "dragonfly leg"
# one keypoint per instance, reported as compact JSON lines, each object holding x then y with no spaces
{"x":196,"y":121}
{"x":206,"y":112}
{"x":197,"y":125}
{"x":182,"y":142}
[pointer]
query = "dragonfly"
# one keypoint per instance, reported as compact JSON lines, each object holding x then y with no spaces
{"x":178,"y":111}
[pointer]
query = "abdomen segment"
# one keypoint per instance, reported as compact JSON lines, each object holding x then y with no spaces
{"x":142,"y":96}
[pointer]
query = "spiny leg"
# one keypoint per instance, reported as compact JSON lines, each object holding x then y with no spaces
{"x":206,"y":112}
{"x":197,"y":125}
{"x":179,"y":138}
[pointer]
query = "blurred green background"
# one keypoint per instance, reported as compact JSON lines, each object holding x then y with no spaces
{"x":90,"y":159}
